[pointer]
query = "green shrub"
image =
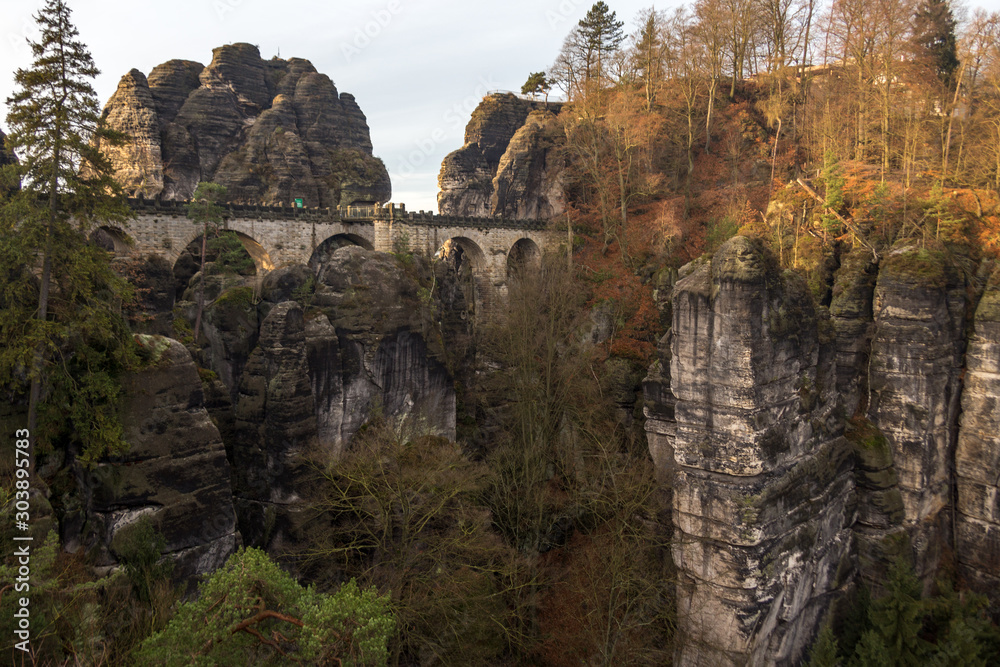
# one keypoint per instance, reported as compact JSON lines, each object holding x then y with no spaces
{"x":251,"y":612}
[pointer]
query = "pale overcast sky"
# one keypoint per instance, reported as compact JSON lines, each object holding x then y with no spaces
{"x":417,"y":68}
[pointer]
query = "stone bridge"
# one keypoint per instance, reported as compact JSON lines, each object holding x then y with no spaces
{"x":275,"y":236}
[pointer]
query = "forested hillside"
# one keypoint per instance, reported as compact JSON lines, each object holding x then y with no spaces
{"x":743,"y":412}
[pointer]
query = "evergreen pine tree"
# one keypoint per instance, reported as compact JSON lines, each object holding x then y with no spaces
{"x":834,"y":181}
{"x":601,"y":33}
{"x":872,"y":652}
{"x":824,"y":650}
{"x":898,"y":616}
{"x":934,"y":39}
{"x":856,"y":622}
{"x":61,"y":332}
{"x":960,"y":649}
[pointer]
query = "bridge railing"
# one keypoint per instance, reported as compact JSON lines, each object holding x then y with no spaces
{"x":353,"y":213}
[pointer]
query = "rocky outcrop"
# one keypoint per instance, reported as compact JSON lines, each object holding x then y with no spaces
{"x":275,"y":424}
{"x":853,"y":322}
{"x":138,"y":160}
{"x":270,"y":131}
{"x":763,"y":489}
{"x":365,"y":346}
{"x":914,"y":379}
{"x":921,"y":430}
{"x":152,"y":310}
{"x":509,"y":166}
{"x":529,"y":181}
{"x":175,"y":471}
{"x":658,"y":409}
{"x":977,"y":455}
{"x":879,"y":534}
{"x":369,"y":351}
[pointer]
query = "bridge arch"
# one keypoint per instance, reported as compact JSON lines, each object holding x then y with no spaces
{"x":186,"y":260}
{"x":462,"y":252}
{"x":524,"y":255}
{"x":112,"y":239}
{"x":323,"y":251}
{"x":260,"y":256}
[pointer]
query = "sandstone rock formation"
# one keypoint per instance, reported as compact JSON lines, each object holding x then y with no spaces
{"x":747,"y":424}
{"x":853,"y":321}
{"x":366,"y":345}
{"x":138,"y":161}
{"x":175,"y":471}
{"x":762,"y":482}
{"x":275,"y":423}
{"x":369,"y":351}
{"x":510,"y":165}
{"x":914,"y":387}
{"x":529,"y":181}
{"x":270,"y":131}
{"x":977,"y":455}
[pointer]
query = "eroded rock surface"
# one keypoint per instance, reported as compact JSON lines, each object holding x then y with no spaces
{"x":175,"y":472}
{"x":369,"y":350}
{"x":529,"y":181}
{"x":270,"y":131}
{"x":365,"y":346}
{"x":977,"y":455}
{"x":138,"y":161}
{"x":763,"y":490}
{"x":510,"y":165}
{"x":275,"y":424}
{"x":914,"y":387}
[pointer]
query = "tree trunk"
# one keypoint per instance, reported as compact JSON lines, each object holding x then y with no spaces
{"x":951,"y":118}
{"x":35,"y":393}
{"x":708,"y":118}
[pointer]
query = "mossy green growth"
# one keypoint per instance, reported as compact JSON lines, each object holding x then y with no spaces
{"x":182,"y":328}
{"x":989,"y":306}
{"x":922,"y":266}
{"x":207,"y":376}
{"x":151,"y":348}
{"x":242,"y":297}
{"x":870,"y":445}
{"x":139,"y":546}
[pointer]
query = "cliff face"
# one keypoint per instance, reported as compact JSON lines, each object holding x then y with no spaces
{"x":772,"y":506}
{"x":270,"y":131}
{"x":761,"y":476}
{"x":369,"y":351}
{"x":175,"y":472}
{"x":914,"y":388}
{"x":529,"y":180}
{"x":366,"y":345}
{"x":510,"y":165}
{"x":977,"y":454}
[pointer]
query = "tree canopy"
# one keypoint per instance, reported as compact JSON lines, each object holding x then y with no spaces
{"x":252,"y":612}
{"x":61,"y":330}
{"x":934,"y":38}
